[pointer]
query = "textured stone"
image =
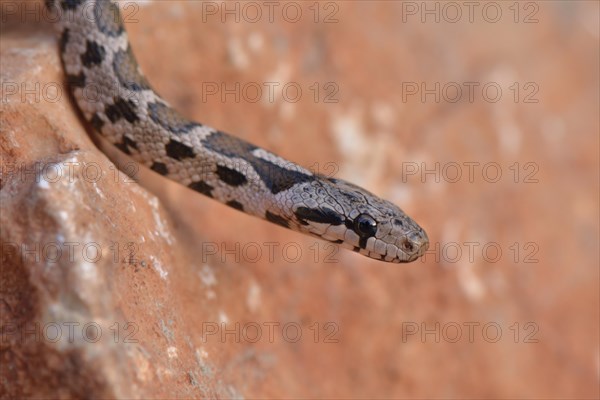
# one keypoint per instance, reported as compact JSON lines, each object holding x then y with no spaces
{"x":195,"y":268}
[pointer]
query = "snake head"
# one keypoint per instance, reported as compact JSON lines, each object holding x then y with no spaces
{"x":343,"y":213}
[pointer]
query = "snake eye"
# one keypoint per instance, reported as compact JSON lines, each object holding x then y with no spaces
{"x":365,"y":225}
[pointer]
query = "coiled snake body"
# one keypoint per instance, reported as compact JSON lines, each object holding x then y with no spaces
{"x":98,"y":59}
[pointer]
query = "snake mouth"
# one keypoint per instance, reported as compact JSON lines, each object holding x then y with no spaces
{"x":407,"y":249}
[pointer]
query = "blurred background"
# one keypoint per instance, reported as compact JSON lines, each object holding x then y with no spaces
{"x":480,"y":121}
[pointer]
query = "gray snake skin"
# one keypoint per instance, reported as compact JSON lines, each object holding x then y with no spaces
{"x":118,"y":102}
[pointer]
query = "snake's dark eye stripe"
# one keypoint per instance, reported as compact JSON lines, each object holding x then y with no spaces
{"x":365,"y":226}
{"x":320,"y":215}
{"x":362,"y":242}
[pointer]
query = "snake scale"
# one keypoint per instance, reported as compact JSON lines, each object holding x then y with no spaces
{"x":117,"y":100}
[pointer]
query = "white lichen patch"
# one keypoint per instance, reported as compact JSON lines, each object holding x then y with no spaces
{"x":253,"y":299}
{"x":158,"y":267}
{"x":223,"y":318}
{"x":275,"y":84}
{"x":470,"y":282}
{"x":207,"y":276}
{"x":237,"y":55}
{"x":161,"y":229}
{"x":172,"y":352}
{"x":357,"y":146}
{"x":256,"y":42}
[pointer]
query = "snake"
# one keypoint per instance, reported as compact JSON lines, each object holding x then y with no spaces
{"x":117,"y":101}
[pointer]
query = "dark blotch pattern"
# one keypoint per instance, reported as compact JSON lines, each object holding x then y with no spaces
{"x":178,"y":150}
{"x":121,"y":109}
{"x":94,"y":54}
{"x":320,"y":215}
{"x":229,"y":146}
{"x":71,"y":4}
{"x":159,"y":168}
{"x":126,"y":144}
{"x":273,"y":176}
{"x":49,"y":4}
{"x":170,"y":119}
{"x":96,"y":122}
{"x":127,"y":72}
{"x":108,"y":18}
{"x":231,"y":176}
{"x":235,"y":204}
{"x":130,"y":143}
{"x":276,"y":219}
{"x":278,"y":179}
{"x":64,"y":39}
{"x":201,"y":187}
{"x":76,"y":80}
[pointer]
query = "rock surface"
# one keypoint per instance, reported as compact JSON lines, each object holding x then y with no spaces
{"x":114,"y":288}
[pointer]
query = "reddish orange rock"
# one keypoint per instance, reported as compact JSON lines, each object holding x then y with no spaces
{"x":119,"y":288}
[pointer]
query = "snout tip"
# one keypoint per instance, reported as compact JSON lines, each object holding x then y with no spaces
{"x":420,"y":243}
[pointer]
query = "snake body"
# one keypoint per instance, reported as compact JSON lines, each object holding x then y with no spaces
{"x":117,"y":100}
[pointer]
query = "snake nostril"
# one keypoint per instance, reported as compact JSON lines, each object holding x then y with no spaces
{"x":407,"y":245}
